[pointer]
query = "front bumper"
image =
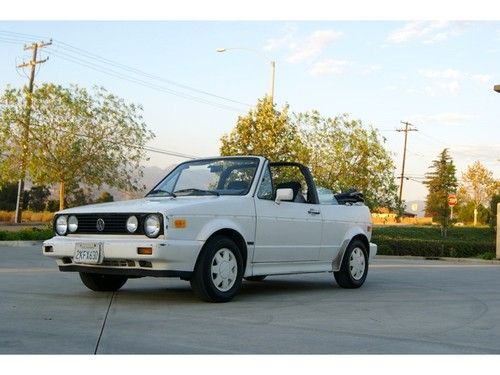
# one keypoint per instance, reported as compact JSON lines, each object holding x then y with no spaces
{"x":172,"y":258}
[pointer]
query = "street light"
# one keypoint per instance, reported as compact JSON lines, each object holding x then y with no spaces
{"x":272,"y":62}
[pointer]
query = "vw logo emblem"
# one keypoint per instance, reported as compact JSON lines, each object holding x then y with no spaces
{"x":100,"y":225}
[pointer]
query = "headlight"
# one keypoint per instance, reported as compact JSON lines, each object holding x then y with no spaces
{"x":132,"y":224}
{"x":72,"y":223}
{"x":152,"y":226}
{"x":61,"y":225}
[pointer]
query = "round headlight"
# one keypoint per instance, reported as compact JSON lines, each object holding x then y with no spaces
{"x":152,"y":226}
{"x":132,"y":224}
{"x":61,"y":225}
{"x":72,"y":223}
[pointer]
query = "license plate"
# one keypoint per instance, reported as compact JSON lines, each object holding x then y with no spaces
{"x":88,"y":253}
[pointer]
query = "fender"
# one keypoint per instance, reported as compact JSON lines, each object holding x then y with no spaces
{"x":351,"y":233}
{"x":221,"y":223}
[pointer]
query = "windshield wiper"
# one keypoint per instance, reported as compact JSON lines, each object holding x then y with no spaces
{"x":160,"y":191}
{"x":193,"y":190}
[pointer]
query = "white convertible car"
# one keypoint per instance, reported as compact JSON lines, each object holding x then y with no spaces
{"x":215,"y":222}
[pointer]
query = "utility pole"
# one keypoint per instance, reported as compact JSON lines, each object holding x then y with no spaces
{"x":26,"y":126}
{"x":408,"y":128}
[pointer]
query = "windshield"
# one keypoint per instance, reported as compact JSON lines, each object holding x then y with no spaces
{"x":225,"y":176}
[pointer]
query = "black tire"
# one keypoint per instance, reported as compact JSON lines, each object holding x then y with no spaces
{"x":352,"y":273}
{"x":219,"y":270}
{"x":102,"y":283}
{"x":256,"y":278}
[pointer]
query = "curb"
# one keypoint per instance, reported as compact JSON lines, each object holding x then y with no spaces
{"x":20,"y":243}
{"x":444,"y":259}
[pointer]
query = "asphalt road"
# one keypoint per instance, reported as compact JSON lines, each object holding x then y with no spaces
{"x":406,"y":306}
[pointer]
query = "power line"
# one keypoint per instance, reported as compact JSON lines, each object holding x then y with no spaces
{"x":91,"y":55}
{"x":74,"y":55}
{"x":147,"y":148}
{"x":138,"y":81}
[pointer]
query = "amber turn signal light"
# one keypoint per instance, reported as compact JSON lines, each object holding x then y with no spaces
{"x":180,"y":223}
{"x":145,"y":250}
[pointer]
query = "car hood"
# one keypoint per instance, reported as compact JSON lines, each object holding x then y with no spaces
{"x":152,"y":204}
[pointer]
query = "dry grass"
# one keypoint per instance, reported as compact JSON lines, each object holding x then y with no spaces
{"x":28,"y":216}
{"x":391,"y":220}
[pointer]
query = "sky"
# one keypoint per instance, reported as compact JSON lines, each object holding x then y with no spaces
{"x":437,"y":75}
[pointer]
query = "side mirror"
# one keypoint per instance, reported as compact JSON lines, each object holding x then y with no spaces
{"x":285,"y":194}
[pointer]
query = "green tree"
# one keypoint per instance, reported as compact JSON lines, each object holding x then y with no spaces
{"x":75,"y":136}
{"x":8,"y":195}
{"x":440,"y":181}
{"x":477,"y":187}
{"x":77,"y":196}
{"x":465,"y":213}
{"x":344,"y":153}
{"x":267,"y":132}
{"x":37,"y":198}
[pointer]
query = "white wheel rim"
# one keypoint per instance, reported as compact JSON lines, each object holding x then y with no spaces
{"x":357,"y":263}
{"x":224,"y":270}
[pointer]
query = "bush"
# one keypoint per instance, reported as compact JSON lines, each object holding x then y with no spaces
{"x":427,"y":242}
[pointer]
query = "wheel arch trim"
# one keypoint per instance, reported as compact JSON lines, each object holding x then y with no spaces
{"x":353,"y":234}
{"x":234,"y":235}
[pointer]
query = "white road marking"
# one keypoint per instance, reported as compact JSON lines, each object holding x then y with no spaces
{"x":432,"y":265}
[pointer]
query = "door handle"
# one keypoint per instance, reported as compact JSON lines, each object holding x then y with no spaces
{"x":312,"y":211}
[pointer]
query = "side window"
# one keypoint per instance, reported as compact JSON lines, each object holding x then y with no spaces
{"x":266,"y":186}
{"x":290,"y":176}
{"x":326,"y":196}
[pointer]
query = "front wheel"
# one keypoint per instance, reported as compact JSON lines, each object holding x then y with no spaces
{"x":219,"y":271}
{"x":102,"y":283}
{"x":354,"y":268}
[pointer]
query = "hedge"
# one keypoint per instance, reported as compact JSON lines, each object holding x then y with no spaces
{"x":433,"y":248}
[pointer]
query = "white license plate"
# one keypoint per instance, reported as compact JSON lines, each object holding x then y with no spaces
{"x":88,"y":252}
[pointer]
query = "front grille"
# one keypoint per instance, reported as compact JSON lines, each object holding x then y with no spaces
{"x":114,"y":223}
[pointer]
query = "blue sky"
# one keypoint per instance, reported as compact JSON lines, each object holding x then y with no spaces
{"x":439,"y":75}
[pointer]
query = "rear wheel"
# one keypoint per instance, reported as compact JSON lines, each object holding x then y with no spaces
{"x":354,"y":268}
{"x":256,"y":278}
{"x":219,"y":271}
{"x":102,"y":283}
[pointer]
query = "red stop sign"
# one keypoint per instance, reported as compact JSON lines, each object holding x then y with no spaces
{"x":452,"y":200}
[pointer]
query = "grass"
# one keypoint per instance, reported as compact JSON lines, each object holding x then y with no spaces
{"x":427,"y":241}
{"x":32,"y":234}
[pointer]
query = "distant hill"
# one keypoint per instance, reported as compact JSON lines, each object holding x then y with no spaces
{"x":152,"y":175}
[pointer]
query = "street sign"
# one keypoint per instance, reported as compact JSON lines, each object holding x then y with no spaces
{"x":452,"y":200}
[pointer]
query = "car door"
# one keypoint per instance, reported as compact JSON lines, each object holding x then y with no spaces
{"x":336,"y":223}
{"x":288,"y":231}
